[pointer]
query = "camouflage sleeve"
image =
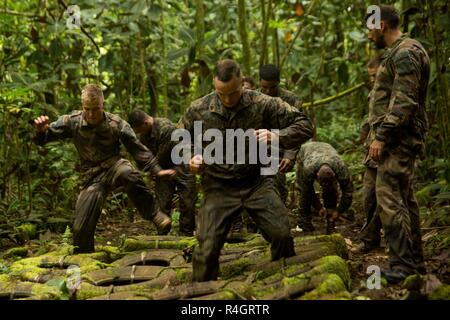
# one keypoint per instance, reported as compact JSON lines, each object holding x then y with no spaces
{"x":290,"y":154}
{"x":59,"y":129}
{"x":295,"y":127}
{"x":141,"y":154}
{"x":165,"y":140}
{"x":187,"y":123}
{"x":405,"y":91}
{"x":364,"y":131}
{"x":346,"y":185}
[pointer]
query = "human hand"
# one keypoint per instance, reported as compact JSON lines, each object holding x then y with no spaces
{"x":286,"y":165}
{"x":41,"y":124}
{"x":196,"y":164}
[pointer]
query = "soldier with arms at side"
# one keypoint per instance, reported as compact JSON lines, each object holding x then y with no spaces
{"x":398,"y":124}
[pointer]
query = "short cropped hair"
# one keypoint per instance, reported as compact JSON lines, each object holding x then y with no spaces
{"x":92,"y":93}
{"x":389,"y":15}
{"x":249,"y":80}
{"x":269,"y":72}
{"x":136,"y":118}
{"x":226,"y":69}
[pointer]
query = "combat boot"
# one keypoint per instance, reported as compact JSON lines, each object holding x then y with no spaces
{"x":163,"y":223}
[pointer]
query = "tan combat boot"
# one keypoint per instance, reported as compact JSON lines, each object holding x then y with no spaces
{"x":163,"y":223}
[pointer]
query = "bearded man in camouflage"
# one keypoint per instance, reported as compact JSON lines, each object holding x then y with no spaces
{"x":398,"y":124}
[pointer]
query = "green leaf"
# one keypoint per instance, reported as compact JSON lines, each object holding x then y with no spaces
{"x":154,"y":13}
{"x":188,"y":35}
{"x":357,"y":36}
{"x":177,"y":53}
{"x":140,"y":7}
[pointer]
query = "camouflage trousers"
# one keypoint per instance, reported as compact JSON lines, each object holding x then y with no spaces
{"x":399,"y":210}
{"x":222,"y":202}
{"x":184,"y":185}
{"x":281,"y":186}
{"x":93,"y":194}
{"x":371,"y":232}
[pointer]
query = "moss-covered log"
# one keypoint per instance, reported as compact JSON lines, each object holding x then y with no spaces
{"x":161,"y":257}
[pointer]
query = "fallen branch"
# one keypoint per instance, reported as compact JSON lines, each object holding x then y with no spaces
{"x":335,"y":97}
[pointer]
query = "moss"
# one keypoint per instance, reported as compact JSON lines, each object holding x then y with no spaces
{"x":332,"y":287}
{"x":113,"y":253}
{"x":235,"y":268}
{"x":45,"y":292}
{"x":336,"y":239}
{"x":222,"y":295}
{"x":16,"y":252}
{"x":28,"y":269}
{"x":88,"y":291}
{"x":183,"y":275}
{"x":87,"y":262}
{"x":333,"y":265}
{"x":25,"y":231}
{"x":152,"y":242}
{"x":249,"y":241}
{"x":413,"y":282}
{"x":441,"y":293}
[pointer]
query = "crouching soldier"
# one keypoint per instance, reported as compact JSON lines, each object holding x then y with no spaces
{"x":320,"y":161}
{"x":97,"y":136}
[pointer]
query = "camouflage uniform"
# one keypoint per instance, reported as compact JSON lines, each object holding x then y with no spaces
{"x":311,"y":157}
{"x":397,"y":116}
{"x":371,"y":231}
{"x":159,"y":142}
{"x":103,"y":169}
{"x":230,"y":188}
{"x":280,"y":178}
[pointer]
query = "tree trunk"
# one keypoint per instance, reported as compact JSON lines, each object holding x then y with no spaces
{"x":244,"y":36}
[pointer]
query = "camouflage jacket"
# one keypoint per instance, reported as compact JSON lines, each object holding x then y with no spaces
{"x":397,"y":113}
{"x":293,"y":100}
{"x":159,"y":142}
{"x":254,"y":111}
{"x":311,"y":157}
{"x":99,"y":146}
{"x":289,"y":97}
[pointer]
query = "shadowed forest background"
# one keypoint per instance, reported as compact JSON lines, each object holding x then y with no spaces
{"x":159,"y":56}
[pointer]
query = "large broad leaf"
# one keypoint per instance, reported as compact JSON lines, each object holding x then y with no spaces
{"x":154,"y":13}
{"x":357,"y":36}
{"x":177,"y":53}
{"x":140,"y":7}
{"x":188,"y":36}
